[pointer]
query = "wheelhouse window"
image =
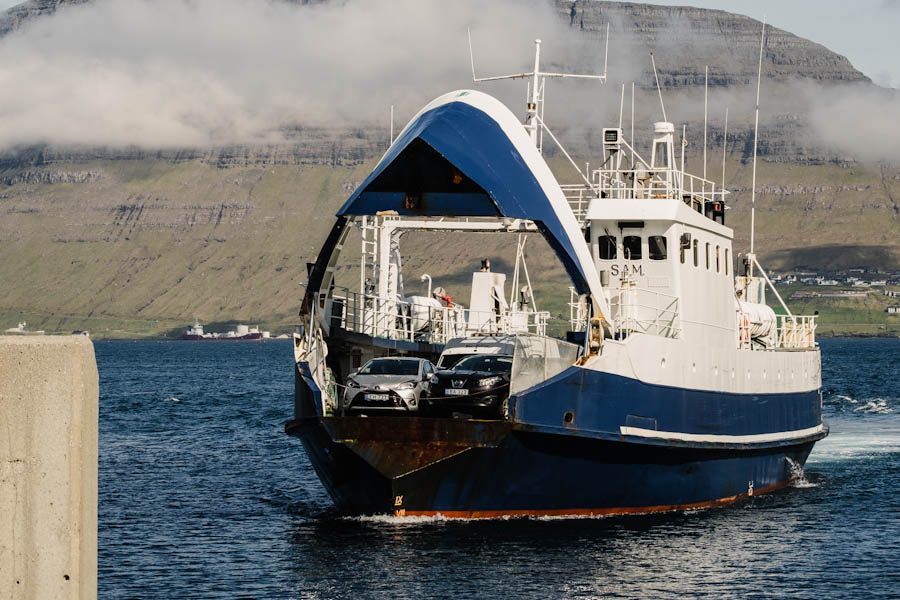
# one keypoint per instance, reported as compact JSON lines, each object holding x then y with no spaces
{"x":726,"y":261}
{"x":696,"y":253}
{"x":606,"y":247}
{"x":707,"y":256}
{"x":631,"y":246}
{"x":656,"y":247}
{"x":717,"y":259}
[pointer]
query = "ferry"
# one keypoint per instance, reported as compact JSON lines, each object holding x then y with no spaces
{"x":676,"y":387}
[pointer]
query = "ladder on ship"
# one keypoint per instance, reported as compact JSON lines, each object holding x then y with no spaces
{"x":368,"y":268}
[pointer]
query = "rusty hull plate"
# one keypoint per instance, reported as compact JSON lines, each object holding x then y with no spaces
{"x":395,"y":446}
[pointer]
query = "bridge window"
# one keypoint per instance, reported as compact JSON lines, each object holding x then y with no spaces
{"x":696,"y":253}
{"x":631,"y":246}
{"x":607,"y":247}
{"x":707,"y":256}
{"x":657,"y":247}
{"x":717,"y":259}
{"x":726,"y":261}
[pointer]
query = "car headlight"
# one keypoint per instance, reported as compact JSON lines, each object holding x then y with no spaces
{"x":434,"y":379}
{"x":489,"y":381}
{"x":408,"y":385}
{"x":353,"y":383}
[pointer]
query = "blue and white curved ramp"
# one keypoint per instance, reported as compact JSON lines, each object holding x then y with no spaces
{"x":466,"y":155}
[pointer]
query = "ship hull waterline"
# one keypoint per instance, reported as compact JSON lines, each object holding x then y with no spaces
{"x":460,"y":468}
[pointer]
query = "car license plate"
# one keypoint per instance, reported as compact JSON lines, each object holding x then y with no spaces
{"x":378,"y":397}
{"x":455,"y":392}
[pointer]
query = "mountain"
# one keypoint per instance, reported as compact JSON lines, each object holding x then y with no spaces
{"x":20,"y":14}
{"x":126,"y":241}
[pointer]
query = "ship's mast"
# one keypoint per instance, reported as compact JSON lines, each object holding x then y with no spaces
{"x":534,"y":104}
{"x":752,"y":256}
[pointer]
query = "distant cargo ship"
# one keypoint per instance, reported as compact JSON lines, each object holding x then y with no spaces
{"x":242,"y":333}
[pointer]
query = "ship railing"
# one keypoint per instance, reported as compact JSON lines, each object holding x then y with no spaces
{"x":395,"y":319}
{"x":577,"y":311}
{"x":656,"y":184}
{"x":579,"y":197}
{"x":537,"y":358}
{"x":795,"y":332}
{"x":790,"y":332}
{"x":641,"y":310}
{"x":634,"y":310}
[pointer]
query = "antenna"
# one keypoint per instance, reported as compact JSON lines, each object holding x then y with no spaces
{"x":537,"y":84}
{"x":621,"y":105}
{"x":606,"y":51}
{"x":471,"y":54}
{"x":658,"y":89}
{"x":705,"y":104}
{"x":724,"y":147}
{"x":762,"y":39}
{"x":683,"y":146}
{"x":632,"y":125}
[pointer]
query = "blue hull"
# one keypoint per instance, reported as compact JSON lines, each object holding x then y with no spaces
{"x":529,"y":473}
{"x":562,"y":452}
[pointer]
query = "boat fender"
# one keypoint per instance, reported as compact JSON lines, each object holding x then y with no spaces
{"x":596,"y":335}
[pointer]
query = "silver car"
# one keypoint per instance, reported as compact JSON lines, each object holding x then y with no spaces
{"x":392,"y":384}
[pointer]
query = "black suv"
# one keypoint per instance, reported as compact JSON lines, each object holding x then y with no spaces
{"x":477,"y":385}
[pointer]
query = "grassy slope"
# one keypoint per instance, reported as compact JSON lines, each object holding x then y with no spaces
{"x":153,"y":245}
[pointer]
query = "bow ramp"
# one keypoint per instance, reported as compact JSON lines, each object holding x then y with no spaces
{"x":466,"y":155}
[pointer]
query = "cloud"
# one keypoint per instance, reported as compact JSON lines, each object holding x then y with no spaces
{"x":859,"y":120}
{"x":206,"y":72}
{"x":201,"y":73}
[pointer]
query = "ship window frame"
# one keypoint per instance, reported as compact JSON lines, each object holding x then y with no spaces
{"x":696,"y":252}
{"x":610,"y":244}
{"x":627,"y":252}
{"x":662,"y":248}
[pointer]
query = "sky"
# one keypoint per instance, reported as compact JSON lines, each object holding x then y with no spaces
{"x":865,"y":31}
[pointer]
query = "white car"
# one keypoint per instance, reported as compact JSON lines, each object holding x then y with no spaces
{"x":386,"y":385}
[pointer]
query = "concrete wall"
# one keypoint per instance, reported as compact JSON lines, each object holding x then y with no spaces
{"x":48,"y":468}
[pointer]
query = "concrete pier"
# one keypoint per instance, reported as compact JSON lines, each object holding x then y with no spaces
{"x":48,"y":468}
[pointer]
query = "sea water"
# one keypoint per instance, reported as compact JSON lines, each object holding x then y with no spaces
{"x":202,"y":495}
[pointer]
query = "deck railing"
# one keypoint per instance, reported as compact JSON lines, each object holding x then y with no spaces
{"x":634,"y":309}
{"x":795,"y":332}
{"x":402,"y":320}
{"x":642,"y":184}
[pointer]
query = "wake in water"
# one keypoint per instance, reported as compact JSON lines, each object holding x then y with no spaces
{"x":799,"y":475}
{"x":878,"y":406}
